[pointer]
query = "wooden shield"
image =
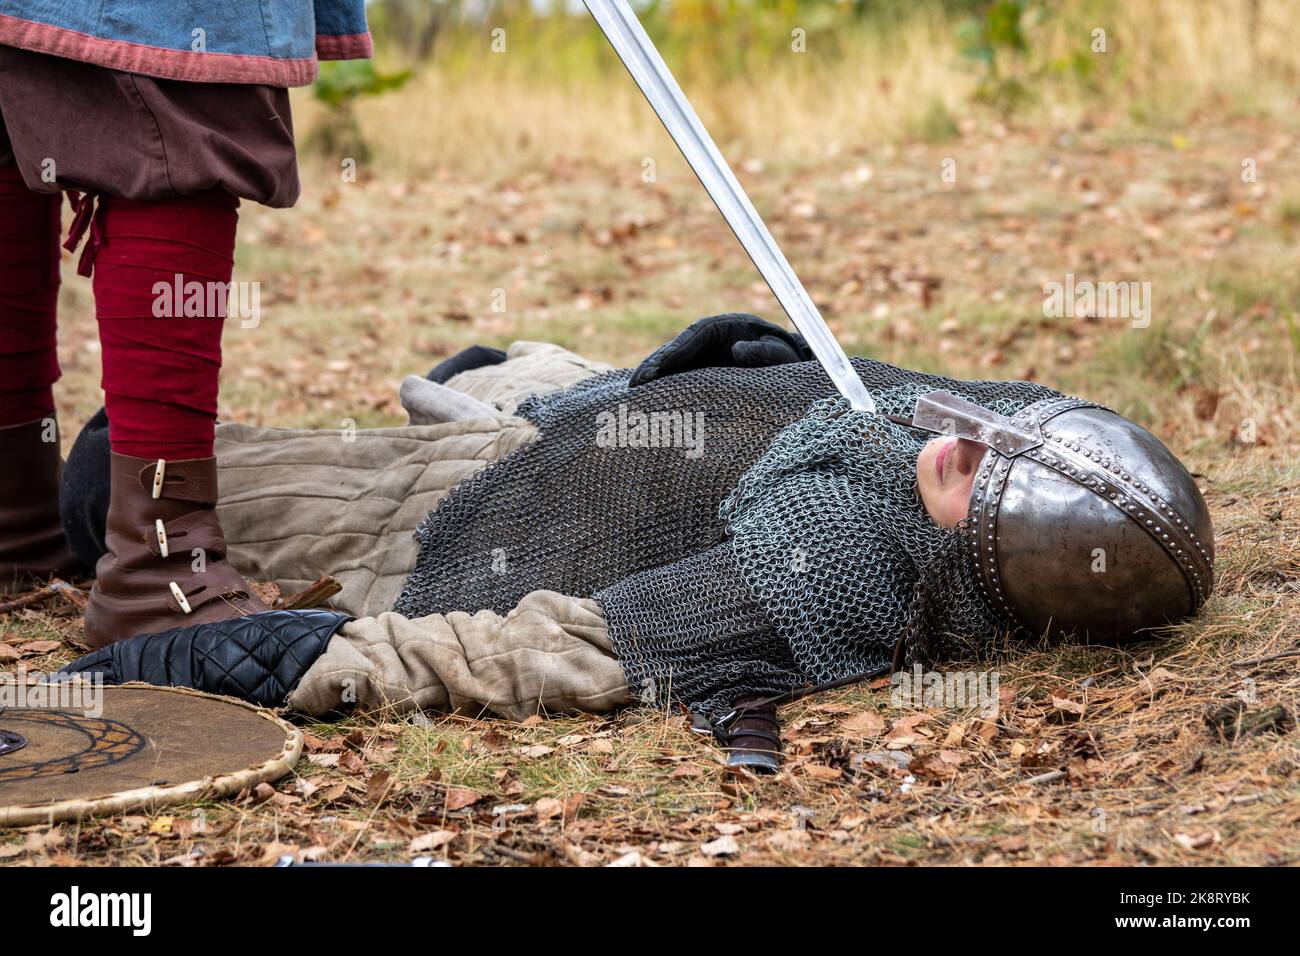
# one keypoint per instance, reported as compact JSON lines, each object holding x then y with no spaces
{"x":137,"y":747}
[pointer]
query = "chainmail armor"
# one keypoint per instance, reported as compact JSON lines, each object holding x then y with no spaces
{"x":695,"y":613}
{"x":694,"y":631}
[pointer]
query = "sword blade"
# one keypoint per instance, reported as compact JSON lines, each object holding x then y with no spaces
{"x":634,"y":47}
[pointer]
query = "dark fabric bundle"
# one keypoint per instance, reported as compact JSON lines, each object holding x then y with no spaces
{"x":84,"y":491}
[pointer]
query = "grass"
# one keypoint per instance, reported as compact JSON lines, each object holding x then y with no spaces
{"x":497,"y":182}
{"x":889,"y":78}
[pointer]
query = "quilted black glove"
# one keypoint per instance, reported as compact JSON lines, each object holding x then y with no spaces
{"x":259,"y":658}
{"x":735,"y":339}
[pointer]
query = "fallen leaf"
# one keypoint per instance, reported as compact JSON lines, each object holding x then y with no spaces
{"x":1161,"y":675}
{"x":313,"y":744}
{"x":379,"y":787}
{"x":580,"y":857}
{"x":38,"y":841}
{"x":633,"y":858}
{"x":332,"y":792}
{"x":272,"y":851}
{"x":40,"y":647}
{"x":909,"y":723}
{"x":428,"y":842}
{"x":547,"y":808}
{"x":868,"y":723}
{"x":351,"y":762}
{"x":1067,"y":706}
{"x":458,"y":798}
{"x":983,"y":729}
{"x":1196,"y":841}
{"x":722,"y":846}
{"x":787,"y":841}
{"x":942,"y":764}
{"x":822,"y":772}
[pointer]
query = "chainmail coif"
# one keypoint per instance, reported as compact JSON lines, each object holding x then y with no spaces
{"x":820,"y":560}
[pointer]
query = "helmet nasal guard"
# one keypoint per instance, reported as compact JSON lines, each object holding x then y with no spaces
{"x":1079,"y":519}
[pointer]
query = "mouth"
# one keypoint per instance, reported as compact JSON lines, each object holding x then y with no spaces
{"x":941,"y":459}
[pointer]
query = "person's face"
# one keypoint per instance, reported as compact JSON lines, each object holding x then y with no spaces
{"x":945,"y":472}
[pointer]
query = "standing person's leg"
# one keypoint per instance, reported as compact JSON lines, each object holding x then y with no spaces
{"x":166,"y":564}
{"x":31,"y":539}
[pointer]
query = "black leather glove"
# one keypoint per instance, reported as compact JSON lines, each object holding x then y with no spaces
{"x":734,"y":340}
{"x":258,"y":658}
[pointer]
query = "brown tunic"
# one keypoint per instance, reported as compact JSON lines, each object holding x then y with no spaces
{"x":71,"y":125}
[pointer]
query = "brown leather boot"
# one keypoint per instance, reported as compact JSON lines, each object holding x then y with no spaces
{"x":32,"y":545}
{"x":166,"y":564}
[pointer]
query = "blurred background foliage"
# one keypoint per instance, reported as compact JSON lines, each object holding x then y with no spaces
{"x":856,"y":71}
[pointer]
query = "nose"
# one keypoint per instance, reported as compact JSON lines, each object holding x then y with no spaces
{"x":967,"y":456}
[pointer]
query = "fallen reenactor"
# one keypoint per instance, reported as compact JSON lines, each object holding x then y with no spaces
{"x":715,"y":528}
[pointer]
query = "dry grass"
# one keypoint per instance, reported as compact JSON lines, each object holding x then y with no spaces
{"x":367,"y":282}
{"x":495,"y":114}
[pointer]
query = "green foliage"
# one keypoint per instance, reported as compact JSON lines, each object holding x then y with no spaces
{"x":997,"y":39}
{"x":703,"y":40}
{"x":994,"y":40}
{"x":342,"y":81}
{"x":994,"y":32}
{"x":339,"y":85}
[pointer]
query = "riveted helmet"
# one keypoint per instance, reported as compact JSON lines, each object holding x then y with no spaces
{"x":1080,"y":520}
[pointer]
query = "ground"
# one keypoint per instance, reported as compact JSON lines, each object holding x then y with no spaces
{"x":1098,"y":755}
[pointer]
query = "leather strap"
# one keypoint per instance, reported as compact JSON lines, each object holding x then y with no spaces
{"x":181,"y":483}
{"x":197,"y":529}
{"x":753,"y":722}
{"x":218,"y":581}
{"x":753,"y":737}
